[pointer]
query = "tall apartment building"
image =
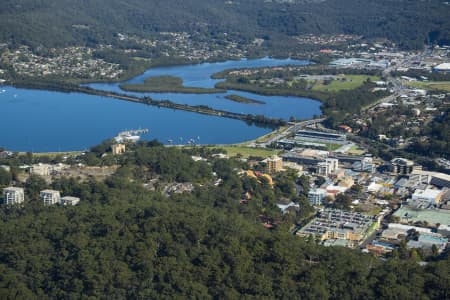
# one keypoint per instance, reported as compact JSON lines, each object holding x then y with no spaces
{"x":50,"y":197}
{"x":273,"y":164}
{"x":316,"y":196}
{"x":13,"y":195}
{"x":403,"y":166}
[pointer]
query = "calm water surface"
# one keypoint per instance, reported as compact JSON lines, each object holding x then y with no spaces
{"x":200,"y":76}
{"x":39,"y":121}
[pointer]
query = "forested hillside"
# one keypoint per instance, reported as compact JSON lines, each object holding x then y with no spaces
{"x":54,"y":23}
{"x":126,"y":242}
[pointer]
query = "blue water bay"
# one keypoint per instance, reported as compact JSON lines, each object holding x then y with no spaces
{"x":41,"y":121}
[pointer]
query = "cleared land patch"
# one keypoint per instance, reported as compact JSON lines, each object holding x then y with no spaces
{"x":346,"y":82}
{"x":246,"y":152}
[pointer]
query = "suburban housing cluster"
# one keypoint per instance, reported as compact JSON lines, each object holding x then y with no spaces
{"x":382,"y":196}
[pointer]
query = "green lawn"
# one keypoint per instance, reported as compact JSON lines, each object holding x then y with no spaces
{"x":351,"y":82}
{"x":355,"y":150}
{"x":431,"y":85}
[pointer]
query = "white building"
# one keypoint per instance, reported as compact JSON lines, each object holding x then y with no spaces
{"x":50,"y":197}
{"x":445,"y":67}
{"x":13,"y":195}
{"x":328,"y":166}
{"x":316,"y":196}
{"x":68,"y":200}
{"x":428,"y":195}
{"x":367,"y":165}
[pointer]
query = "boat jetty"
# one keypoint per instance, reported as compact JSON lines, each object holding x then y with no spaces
{"x":130,"y":135}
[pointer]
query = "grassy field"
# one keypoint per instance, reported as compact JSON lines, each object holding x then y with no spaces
{"x":324,"y":146}
{"x":432,"y":85}
{"x":54,"y":154}
{"x":351,"y":82}
{"x":167,"y":84}
{"x":247,"y":151}
{"x":355,"y":150}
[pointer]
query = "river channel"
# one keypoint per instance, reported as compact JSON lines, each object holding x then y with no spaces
{"x":41,"y":121}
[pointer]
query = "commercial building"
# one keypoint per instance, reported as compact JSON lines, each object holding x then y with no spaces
{"x":335,"y":224}
{"x":327,"y":167}
{"x":427,"y":177}
{"x":321,"y":137}
{"x":441,"y":180}
{"x":305,"y":156}
{"x":427,"y":240}
{"x":68,"y":200}
{"x":316,"y":196}
{"x":13,"y":195}
{"x":379,"y":248}
{"x":273,"y":164}
{"x":50,"y":197}
{"x":397,"y":232}
{"x":428,"y":195}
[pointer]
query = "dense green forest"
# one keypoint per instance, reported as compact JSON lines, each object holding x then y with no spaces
{"x":336,"y":104}
{"x":438,"y":138}
{"x":54,"y":23}
{"x":125,"y":241}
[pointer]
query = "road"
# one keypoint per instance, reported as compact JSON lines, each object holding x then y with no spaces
{"x":294,"y":127}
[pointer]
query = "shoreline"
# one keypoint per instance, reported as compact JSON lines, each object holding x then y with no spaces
{"x":240,"y":144}
{"x":75,"y":87}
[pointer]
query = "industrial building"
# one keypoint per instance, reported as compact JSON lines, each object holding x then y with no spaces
{"x":50,"y":197}
{"x":13,"y":195}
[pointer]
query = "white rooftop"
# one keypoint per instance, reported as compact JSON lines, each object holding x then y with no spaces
{"x":444,"y":66}
{"x":428,"y":193}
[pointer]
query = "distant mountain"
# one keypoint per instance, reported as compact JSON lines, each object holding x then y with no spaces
{"x":63,"y":22}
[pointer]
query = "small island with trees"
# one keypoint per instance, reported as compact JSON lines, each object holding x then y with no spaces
{"x":167,"y":84}
{"x":245,"y":100}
